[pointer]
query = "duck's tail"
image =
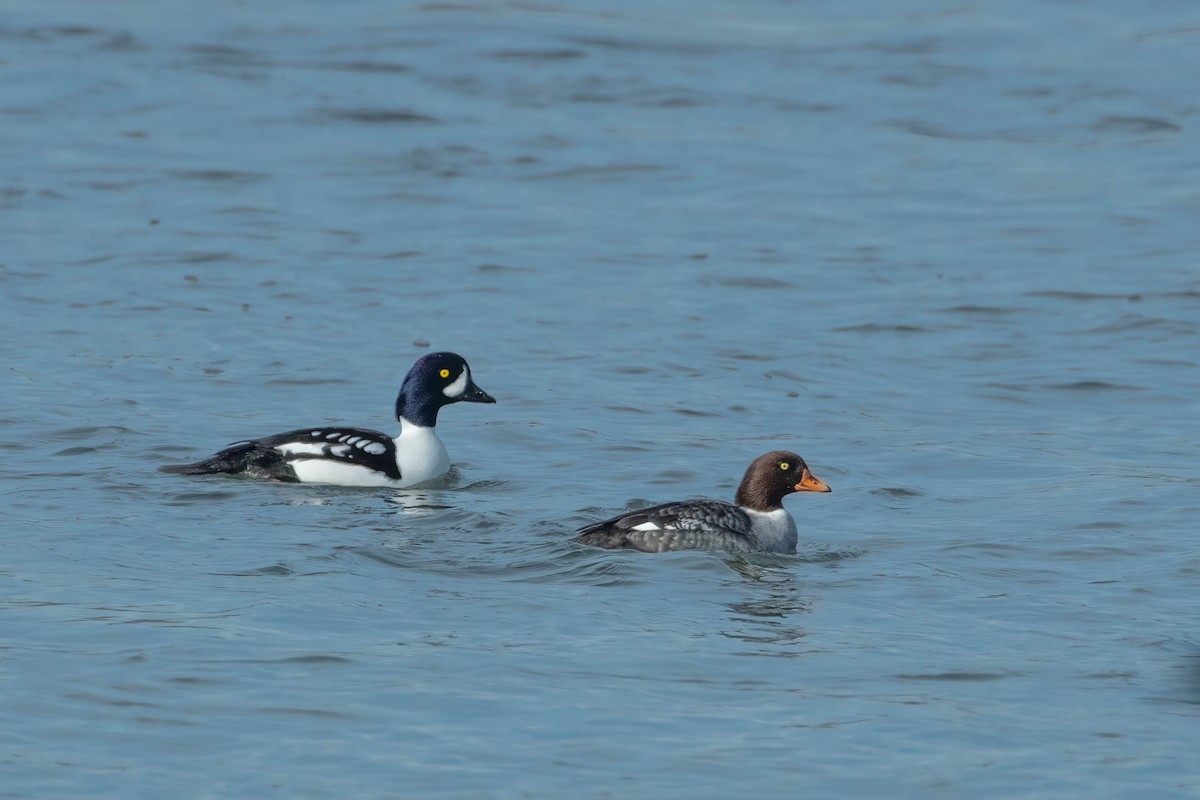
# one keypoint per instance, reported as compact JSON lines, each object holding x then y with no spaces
{"x":232,"y":460}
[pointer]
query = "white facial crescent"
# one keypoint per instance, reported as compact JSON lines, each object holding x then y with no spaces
{"x":459,"y":386}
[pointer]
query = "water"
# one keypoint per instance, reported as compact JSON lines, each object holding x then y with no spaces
{"x":944,"y":251}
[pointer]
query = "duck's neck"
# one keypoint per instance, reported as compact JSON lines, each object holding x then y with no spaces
{"x":407,"y":426}
{"x":423,"y":413}
{"x":752,"y":495}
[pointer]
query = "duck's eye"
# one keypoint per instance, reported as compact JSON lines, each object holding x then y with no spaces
{"x":445,"y":373}
{"x":785,"y":466}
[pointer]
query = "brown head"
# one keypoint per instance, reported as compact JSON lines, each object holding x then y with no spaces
{"x":773,"y":476}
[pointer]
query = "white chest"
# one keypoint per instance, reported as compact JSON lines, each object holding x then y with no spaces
{"x":420,"y":455}
{"x":775,"y":530}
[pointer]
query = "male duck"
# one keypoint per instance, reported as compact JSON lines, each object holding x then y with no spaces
{"x":358,"y":456}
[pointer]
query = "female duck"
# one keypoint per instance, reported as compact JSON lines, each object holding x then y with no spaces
{"x":755,"y":522}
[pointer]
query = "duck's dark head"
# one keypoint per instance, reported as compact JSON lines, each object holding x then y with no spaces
{"x":772,"y":477}
{"x":436,"y":380}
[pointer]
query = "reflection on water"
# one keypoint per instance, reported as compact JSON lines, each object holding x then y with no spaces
{"x":767,"y":620}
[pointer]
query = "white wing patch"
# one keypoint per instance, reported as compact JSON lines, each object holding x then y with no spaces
{"x":336,"y":450}
{"x":460,"y":384}
{"x":646,"y":526}
{"x":301,"y":449}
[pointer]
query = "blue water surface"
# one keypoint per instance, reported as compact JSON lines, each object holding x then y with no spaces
{"x":946,"y":251}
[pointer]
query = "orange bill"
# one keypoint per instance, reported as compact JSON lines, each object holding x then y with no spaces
{"x":810,"y":483}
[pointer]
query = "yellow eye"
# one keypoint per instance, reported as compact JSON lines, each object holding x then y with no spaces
{"x":783,"y":465}
{"x":445,"y":373}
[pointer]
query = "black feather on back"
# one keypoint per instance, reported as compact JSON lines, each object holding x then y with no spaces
{"x":237,"y":458}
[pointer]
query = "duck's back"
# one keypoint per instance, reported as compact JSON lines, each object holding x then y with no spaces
{"x":685,"y":525}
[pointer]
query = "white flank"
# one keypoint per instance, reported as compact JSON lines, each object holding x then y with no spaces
{"x":459,"y":386}
{"x":339,"y":473}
